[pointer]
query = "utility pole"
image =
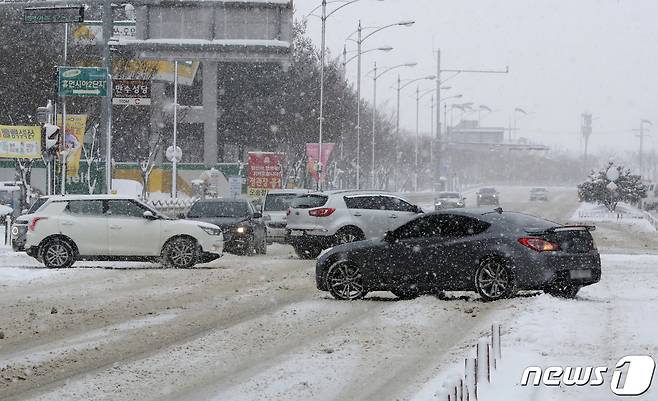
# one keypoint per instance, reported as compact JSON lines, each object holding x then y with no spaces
{"x":586,"y":131}
{"x":106,"y":110}
{"x":642,"y":135}
{"x":439,"y":82}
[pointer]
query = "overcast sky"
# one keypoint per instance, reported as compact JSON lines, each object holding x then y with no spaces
{"x":565,"y":57}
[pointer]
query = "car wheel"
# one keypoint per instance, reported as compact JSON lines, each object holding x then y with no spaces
{"x":345,"y":282}
{"x":406,"y":293}
{"x":180,"y":253}
{"x":567,"y":291}
{"x":347,"y":235}
{"x":493,"y":280}
{"x":58,"y":254}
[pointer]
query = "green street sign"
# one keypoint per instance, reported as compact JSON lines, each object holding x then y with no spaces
{"x":82,"y":81}
{"x":53,"y":15}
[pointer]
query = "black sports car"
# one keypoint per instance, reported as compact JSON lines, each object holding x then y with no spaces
{"x":494,"y":253}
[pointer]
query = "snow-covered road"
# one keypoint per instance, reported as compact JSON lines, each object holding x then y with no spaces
{"x":254,"y":328}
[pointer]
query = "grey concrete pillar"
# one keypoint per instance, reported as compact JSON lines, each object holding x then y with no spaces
{"x":209,"y":113}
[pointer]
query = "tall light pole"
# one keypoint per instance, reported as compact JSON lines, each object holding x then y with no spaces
{"x":439,"y":82}
{"x":375,"y":77}
{"x":359,"y":42}
{"x":401,"y":86}
{"x":642,"y":134}
{"x":324,"y":18}
{"x":517,"y":111}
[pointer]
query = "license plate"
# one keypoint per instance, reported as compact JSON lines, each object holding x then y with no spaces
{"x":580,"y":274}
{"x":296,"y":233}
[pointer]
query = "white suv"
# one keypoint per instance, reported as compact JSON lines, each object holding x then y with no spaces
{"x":320,"y":220}
{"x":274,"y":210}
{"x":106,"y":227}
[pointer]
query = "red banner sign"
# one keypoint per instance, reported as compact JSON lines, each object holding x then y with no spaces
{"x":313,"y":155}
{"x":264,"y":172}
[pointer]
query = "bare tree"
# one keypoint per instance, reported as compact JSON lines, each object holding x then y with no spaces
{"x":91,"y":156}
{"x":148,"y":162}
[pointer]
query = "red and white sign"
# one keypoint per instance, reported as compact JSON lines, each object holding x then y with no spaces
{"x":313,"y":155}
{"x":264,"y":173}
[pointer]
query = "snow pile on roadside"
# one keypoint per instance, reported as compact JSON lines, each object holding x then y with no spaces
{"x":624,"y":214}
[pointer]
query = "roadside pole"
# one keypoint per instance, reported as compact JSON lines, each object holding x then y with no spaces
{"x":63,"y":135}
{"x":174,"y":161}
{"x":106,"y":111}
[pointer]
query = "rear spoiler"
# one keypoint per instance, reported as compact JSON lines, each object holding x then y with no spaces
{"x":564,"y":228}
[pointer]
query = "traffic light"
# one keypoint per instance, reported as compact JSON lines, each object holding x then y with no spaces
{"x":50,"y":139}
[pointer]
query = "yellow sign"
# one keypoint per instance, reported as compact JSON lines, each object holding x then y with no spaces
{"x":155,"y":70}
{"x":20,"y":142}
{"x":76,"y":125}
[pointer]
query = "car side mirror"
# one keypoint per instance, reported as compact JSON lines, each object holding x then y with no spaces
{"x":417,"y":209}
{"x":148,"y":215}
{"x":389,"y":237}
{"x":258,"y":215}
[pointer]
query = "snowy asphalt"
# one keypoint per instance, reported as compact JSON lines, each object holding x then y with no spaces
{"x":255,"y":328}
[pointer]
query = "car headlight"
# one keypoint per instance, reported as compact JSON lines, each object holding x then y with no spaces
{"x":211,"y":230}
{"x":460,"y":203}
{"x":495,"y":196}
{"x":438,"y":203}
{"x":241,"y":230}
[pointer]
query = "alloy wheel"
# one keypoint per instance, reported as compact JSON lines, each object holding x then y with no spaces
{"x":345,"y":281}
{"x":57,"y":255}
{"x":493,"y":280}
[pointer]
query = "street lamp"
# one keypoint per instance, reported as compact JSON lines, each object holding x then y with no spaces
{"x":359,"y":41}
{"x":376,"y":76}
{"x":400,"y":86}
{"x":324,"y":18}
{"x":348,"y":60}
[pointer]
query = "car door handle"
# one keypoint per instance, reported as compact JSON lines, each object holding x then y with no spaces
{"x":115,"y":227}
{"x":393,"y":216}
{"x":67,"y":223}
{"x":357,"y":214}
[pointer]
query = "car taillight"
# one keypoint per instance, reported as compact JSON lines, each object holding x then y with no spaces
{"x":539,"y":244}
{"x":289,"y":211}
{"x":35,"y":220}
{"x":322,"y":212}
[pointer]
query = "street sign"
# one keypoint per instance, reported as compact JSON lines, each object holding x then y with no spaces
{"x":82,"y":81}
{"x":91,"y":32}
{"x":170,"y":154}
{"x":53,"y":15}
{"x":235,"y":185}
{"x":134,"y":92}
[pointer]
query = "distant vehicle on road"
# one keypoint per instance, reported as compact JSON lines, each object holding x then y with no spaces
{"x":487,"y":196}
{"x":320,"y":220}
{"x":538,"y":194}
{"x":64,"y":229}
{"x":493,"y":253}
{"x":243,"y":227}
{"x":275,"y":209}
{"x":449,"y":200}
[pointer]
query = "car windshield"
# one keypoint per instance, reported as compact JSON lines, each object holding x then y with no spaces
{"x":538,"y":190}
{"x":278,"y":202}
{"x":488,"y":191}
{"x":36,"y":205}
{"x":219,"y":209}
{"x":449,"y":195}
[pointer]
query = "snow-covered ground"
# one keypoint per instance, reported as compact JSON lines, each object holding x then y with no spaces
{"x":255,"y":328}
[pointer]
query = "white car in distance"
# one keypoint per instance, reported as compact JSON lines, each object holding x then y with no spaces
{"x":108,"y":227}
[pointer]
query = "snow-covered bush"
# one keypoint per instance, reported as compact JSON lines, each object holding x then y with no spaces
{"x":598,"y":189}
